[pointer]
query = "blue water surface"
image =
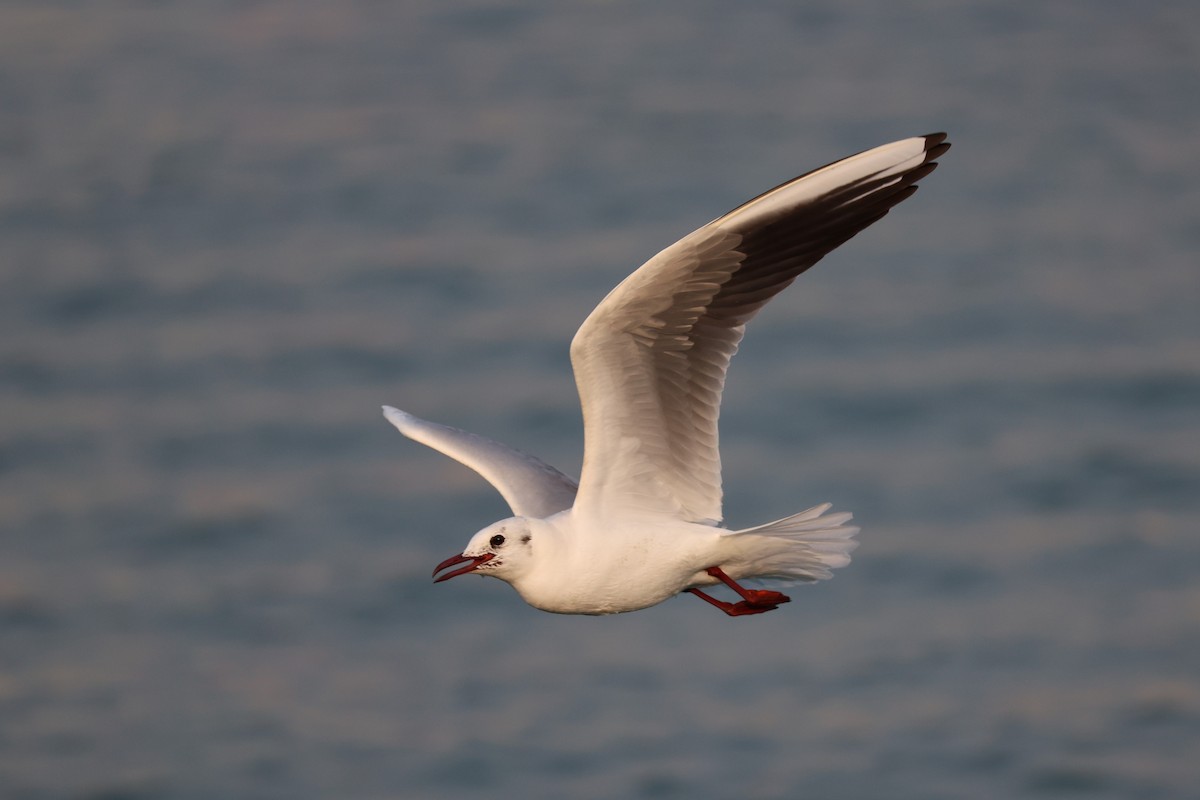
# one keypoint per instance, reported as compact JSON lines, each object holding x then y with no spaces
{"x":230,"y":231}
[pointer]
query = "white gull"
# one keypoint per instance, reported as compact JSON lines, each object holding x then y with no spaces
{"x":643,"y":522}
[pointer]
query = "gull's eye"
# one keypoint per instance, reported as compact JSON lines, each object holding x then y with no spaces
{"x":496,"y":540}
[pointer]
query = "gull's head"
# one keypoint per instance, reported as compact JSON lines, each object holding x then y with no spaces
{"x":503,"y":550}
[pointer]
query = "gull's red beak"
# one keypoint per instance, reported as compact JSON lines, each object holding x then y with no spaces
{"x":475,"y":563}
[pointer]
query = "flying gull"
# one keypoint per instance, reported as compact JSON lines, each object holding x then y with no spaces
{"x":643,"y":522}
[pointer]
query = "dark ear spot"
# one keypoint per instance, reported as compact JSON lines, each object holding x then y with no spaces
{"x":525,"y":539}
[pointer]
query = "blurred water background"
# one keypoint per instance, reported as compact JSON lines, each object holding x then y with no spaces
{"x":231,"y":230}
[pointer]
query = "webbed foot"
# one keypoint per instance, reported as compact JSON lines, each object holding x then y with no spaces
{"x":754,"y":601}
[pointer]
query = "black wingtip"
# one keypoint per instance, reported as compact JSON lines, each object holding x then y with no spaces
{"x":935,"y":145}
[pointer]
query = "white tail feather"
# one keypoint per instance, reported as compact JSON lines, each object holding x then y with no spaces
{"x":802,"y":547}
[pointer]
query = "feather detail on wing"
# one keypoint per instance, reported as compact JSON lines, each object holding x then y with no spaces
{"x":650,"y":360}
{"x":531,"y":487}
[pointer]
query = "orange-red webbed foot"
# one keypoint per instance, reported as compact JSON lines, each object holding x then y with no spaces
{"x":766,"y":597}
{"x":754,"y":601}
{"x":740,"y":609}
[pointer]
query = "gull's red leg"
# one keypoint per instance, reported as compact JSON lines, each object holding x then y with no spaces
{"x":754,"y":601}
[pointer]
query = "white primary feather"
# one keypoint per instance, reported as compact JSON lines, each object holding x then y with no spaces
{"x":650,"y":360}
{"x":531,"y":487}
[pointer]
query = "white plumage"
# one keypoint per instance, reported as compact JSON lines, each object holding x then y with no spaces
{"x":642,"y":524}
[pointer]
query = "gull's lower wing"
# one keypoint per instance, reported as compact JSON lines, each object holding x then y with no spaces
{"x":531,"y":487}
{"x":650,"y":360}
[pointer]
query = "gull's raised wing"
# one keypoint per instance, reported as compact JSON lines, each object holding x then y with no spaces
{"x":531,"y":487}
{"x":650,"y":360}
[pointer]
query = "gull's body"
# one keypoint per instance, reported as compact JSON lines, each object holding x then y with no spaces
{"x":643,"y":522}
